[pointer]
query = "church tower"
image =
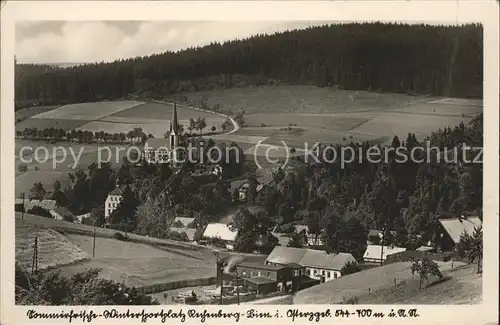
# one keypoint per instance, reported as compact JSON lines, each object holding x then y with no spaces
{"x":174,"y":130}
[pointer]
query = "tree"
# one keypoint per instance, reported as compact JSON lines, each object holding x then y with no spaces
{"x":37,"y":192}
{"x":201,"y":124}
{"x":296,"y":240}
{"x":124,"y":215}
{"x":349,"y":268}
{"x":192,"y":125}
{"x":84,"y":288}
{"x":425,"y":267}
{"x":471,"y":247}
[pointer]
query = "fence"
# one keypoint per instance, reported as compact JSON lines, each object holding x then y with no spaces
{"x":160,"y":287}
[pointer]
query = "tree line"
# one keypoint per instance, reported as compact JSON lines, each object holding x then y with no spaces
{"x":401,"y":58}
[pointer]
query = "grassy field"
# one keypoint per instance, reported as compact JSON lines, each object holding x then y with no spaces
{"x":87,"y":111}
{"x":47,"y":177}
{"x":54,"y":249}
{"x":137,"y":264}
{"x":301,"y":99}
{"x":41,"y":123}
{"x":461,"y":286}
{"x":361,"y":284}
{"x":28,"y":112}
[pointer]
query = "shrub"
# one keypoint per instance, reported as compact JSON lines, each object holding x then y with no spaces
{"x":120,"y":236}
{"x":22,"y":168}
{"x":85,"y":288}
{"x":349,"y":268}
{"x":39,"y":211}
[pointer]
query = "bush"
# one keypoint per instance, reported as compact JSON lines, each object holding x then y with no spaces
{"x":349,"y":268}
{"x":22,"y":168}
{"x":85,"y":288}
{"x":39,"y":211}
{"x":120,"y":236}
{"x":69,"y":218}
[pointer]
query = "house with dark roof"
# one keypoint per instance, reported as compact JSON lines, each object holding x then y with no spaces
{"x":449,"y":228}
{"x":317,"y":264}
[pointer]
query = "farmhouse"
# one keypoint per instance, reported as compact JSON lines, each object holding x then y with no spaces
{"x":378,"y":253}
{"x":263,"y":278}
{"x":449,"y":228}
{"x":317,"y":264}
{"x":221,"y":232}
{"x":160,"y":151}
{"x":114,"y":198}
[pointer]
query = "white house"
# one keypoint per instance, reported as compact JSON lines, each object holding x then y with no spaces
{"x":221,"y":231}
{"x":377,"y":254}
{"x":114,"y":198}
{"x":312,"y":239}
{"x":318,"y":264}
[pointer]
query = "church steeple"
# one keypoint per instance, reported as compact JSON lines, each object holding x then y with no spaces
{"x":174,"y":128}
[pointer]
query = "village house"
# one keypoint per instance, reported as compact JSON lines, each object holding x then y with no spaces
{"x":264,"y":278}
{"x":310,"y":238}
{"x":317,"y":264}
{"x":447,"y":233}
{"x":112,"y":201}
{"x":378,"y":254}
{"x":222,"y":233}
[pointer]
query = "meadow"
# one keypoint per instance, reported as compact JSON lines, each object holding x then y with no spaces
{"x":371,"y":280}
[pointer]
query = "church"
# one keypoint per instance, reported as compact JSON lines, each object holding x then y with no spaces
{"x":159,"y":150}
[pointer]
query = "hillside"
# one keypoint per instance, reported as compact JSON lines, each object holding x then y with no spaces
{"x":366,"y":56}
{"x":54,"y":249}
{"x":461,"y":285}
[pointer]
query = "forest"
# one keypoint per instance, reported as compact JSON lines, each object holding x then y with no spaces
{"x":400,"y":58}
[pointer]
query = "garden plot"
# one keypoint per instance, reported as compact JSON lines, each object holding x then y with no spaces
{"x":87,"y":111}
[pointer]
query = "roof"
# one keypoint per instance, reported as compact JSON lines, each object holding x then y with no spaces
{"x":46,"y":204}
{"x":260,"y":266}
{"x":283,"y":240}
{"x":220,"y":230}
{"x":184,"y":221}
{"x":189,"y":232}
{"x":116,"y":191}
{"x":294,"y":265}
{"x":300,"y":228}
{"x":455,"y":226}
{"x":156,"y":143}
{"x":373,"y":251}
{"x":425,"y":248}
{"x":309,"y":258}
{"x":374,"y":233}
{"x":260,"y":280}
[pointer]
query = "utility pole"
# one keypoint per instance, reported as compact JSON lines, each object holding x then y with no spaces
{"x":24,"y":206}
{"x":382,"y":246}
{"x":34,"y":265}
{"x":93,"y":245}
{"x":237,"y":288}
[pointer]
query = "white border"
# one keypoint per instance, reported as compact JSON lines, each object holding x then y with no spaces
{"x":485,"y":12}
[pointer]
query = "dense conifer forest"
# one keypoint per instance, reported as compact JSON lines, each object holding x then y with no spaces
{"x":412,"y":59}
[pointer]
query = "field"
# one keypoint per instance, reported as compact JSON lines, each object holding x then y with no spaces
{"x":363,"y":284}
{"x":25,"y":181}
{"x":461,"y":286}
{"x":306,"y":114}
{"x":54,"y":249}
{"x":24,"y":113}
{"x":137,"y":264}
{"x":87,"y":111}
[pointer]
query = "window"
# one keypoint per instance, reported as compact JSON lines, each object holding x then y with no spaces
{"x":268,"y":274}
{"x":315,"y":272}
{"x":259,"y":273}
{"x":328,"y":274}
{"x":308,"y":272}
{"x":323,"y":272}
{"x":335,"y":275}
